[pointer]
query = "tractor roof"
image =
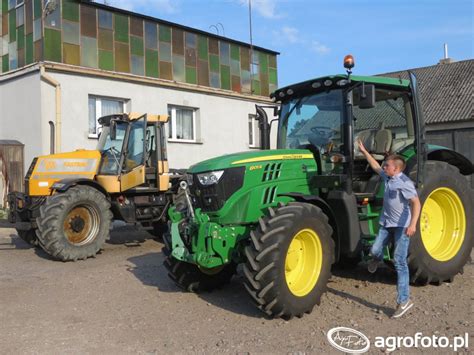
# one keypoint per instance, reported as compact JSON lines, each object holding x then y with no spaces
{"x":335,"y":81}
{"x":132,"y":116}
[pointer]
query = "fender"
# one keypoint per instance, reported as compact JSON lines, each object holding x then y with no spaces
{"x":447,"y":155}
{"x":65,"y":184}
{"x":319,"y":202}
{"x":452,"y":157}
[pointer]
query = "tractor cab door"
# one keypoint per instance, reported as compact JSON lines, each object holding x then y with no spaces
{"x":133,"y":165}
{"x":419,"y":124}
{"x":156,"y":166}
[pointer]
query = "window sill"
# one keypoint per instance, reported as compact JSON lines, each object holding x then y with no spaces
{"x":93,"y":136}
{"x":254,"y":147}
{"x":184,"y":141}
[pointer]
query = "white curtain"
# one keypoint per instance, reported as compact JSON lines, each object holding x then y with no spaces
{"x":184,"y":124}
{"x":109,"y":107}
{"x":92,"y":116}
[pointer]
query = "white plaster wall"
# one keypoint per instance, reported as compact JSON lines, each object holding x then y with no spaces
{"x":21,"y":116}
{"x":223,"y":121}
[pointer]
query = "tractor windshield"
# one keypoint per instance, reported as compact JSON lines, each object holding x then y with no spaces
{"x":111,"y":149}
{"x":312,"y":120}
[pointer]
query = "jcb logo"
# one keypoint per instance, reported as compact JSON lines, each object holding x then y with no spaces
{"x":50,"y":165}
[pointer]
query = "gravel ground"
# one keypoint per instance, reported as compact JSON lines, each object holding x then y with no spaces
{"x":123,"y":302}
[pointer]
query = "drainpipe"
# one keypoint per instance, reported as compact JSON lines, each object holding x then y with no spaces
{"x":57,"y":86}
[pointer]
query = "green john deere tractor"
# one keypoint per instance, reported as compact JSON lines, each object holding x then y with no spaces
{"x":288,"y":214}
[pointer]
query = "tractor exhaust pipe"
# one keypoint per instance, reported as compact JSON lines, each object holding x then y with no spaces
{"x":52,"y":137}
{"x":264,"y":127}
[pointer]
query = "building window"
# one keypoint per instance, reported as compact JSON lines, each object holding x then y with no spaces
{"x":254,"y":137}
{"x":182,"y":124}
{"x":102,"y":106}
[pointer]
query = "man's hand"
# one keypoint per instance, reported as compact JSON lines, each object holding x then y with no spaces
{"x":415,"y":206}
{"x":361,"y":146}
{"x":370,"y":159}
{"x":410,"y":231}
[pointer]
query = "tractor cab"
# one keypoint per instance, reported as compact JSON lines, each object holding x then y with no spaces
{"x":329,"y":115}
{"x":133,"y":150}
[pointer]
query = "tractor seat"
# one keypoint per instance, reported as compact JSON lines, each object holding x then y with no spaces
{"x":382,"y":142}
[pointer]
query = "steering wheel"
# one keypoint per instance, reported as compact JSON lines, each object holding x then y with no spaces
{"x":322,"y":138}
{"x":323,"y":132}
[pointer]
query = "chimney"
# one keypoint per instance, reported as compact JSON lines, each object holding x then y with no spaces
{"x":446,"y":59}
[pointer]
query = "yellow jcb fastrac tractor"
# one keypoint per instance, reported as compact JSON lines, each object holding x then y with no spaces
{"x":71,"y":198}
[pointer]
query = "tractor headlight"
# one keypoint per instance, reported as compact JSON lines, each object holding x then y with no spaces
{"x":210,"y":178}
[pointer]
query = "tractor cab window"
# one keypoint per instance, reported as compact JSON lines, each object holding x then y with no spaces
{"x":136,"y":145}
{"x":313,"y":120}
{"x":386,"y":128}
{"x":111,"y":149}
{"x":151,"y":146}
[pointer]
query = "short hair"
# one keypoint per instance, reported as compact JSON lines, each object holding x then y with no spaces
{"x":398,"y":160}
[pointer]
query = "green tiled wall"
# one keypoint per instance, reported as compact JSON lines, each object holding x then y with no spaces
{"x":81,"y":34}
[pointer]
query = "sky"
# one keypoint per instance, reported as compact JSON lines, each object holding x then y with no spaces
{"x":313,"y":36}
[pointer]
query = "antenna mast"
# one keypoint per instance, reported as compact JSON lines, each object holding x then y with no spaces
{"x":251,"y":47}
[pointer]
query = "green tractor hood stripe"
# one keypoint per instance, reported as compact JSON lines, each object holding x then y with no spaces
{"x":230,"y":160}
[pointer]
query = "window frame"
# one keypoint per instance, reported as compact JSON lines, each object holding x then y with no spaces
{"x":172,"y":124}
{"x":98,"y":111}
{"x":254,"y":144}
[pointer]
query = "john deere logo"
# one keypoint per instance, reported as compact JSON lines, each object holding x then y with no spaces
{"x":50,"y":165}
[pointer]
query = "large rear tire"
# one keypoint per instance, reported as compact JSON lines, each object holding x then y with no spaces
{"x":75,"y":224}
{"x":289,"y":260}
{"x":190,"y":277}
{"x":444,"y":239}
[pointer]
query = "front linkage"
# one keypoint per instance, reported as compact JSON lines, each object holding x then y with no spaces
{"x":197,"y":240}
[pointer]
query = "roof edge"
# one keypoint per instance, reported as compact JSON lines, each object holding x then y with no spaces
{"x":425,"y":67}
{"x":100,"y":73}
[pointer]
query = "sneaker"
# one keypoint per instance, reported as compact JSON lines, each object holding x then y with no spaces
{"x":373,"y":265}
{"x":402,"y":309}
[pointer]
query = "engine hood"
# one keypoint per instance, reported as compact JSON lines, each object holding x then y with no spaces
{"x":245,"y":158}
{"x":51,"y":168}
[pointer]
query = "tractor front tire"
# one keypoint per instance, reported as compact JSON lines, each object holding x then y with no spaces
{"x":192,"y":278}
{"x":289,"y":260}
{"x":29,"y":236}
{"x":74,"y":224}
{"x":443,"y":242}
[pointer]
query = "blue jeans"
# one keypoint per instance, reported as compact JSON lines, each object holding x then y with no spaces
{"x":402,"y":241}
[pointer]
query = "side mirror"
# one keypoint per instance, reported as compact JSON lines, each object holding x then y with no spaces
{"x":276,"y":111}
{"x":366,"y":96}
{"x":113,"y":130}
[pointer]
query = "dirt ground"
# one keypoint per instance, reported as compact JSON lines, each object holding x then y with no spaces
{"x":123,"y":302}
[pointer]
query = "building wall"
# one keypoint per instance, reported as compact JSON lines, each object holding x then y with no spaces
{"x":21,"y":115}
{"x":223,"y":126}
{"x":101,"y":37}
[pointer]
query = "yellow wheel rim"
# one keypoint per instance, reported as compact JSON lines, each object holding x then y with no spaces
{"x":303,"y":262}
{"x":443,"y":224}
{"x":81,"y":225}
